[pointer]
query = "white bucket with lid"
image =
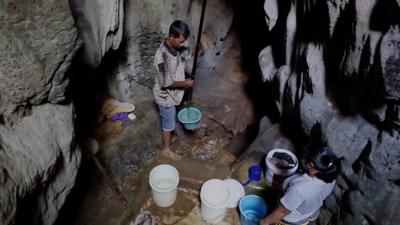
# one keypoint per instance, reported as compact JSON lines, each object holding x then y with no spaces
{"x":214,"y":197}
{"x":236,"y":190}
{"x":164,"y":180}
{"x":273,"y":169}
{"x":217,"y":196}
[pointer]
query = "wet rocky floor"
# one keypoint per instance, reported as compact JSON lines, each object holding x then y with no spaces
{"x":116,"y":189}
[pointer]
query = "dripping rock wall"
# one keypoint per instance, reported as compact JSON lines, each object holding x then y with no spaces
{"x":335,"y":67}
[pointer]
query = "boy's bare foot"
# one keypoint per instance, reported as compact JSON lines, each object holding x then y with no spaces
{"x":170,"y":154}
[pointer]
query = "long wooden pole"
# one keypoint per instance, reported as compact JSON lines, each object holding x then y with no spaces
{"x":196,"y":51}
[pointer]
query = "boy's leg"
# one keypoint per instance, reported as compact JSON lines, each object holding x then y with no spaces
{"x":166,"y":136}
{"x":167,"y":115}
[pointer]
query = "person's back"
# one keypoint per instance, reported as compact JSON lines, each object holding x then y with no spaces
{"x":310,"y":191}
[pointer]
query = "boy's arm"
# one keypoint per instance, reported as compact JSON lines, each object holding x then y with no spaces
{"x":182,"y":84}
{"x":167,"y":83}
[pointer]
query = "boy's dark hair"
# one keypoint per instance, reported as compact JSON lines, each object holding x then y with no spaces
{"x":178,"y":28}
{"x":323,"y":160}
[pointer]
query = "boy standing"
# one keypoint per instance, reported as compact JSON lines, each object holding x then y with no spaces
{"x":170,"y":82}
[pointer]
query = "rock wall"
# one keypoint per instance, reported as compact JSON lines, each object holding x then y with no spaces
{"x":336,"y":67}
{"x":100,"y":24}
{"x":38,"y":155}
{"x":334,"y":64}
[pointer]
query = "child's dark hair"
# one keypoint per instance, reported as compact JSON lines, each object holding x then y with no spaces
{"x":323,"y":160}
{"x":178,"y":28}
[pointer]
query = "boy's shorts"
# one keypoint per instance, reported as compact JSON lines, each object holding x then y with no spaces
{"x":168,"y":120}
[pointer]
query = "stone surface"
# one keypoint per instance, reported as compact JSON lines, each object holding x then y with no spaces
{"x":38,"y":155}
{"x":267,"y":65}
{"x":390,"y":59}
{"x":351,"y":138}
{"x":43,"y":146}
{"x":283,"y":77}
{"x":271,"y":12}
{"x":361,"y":31}
{"x":385,"y":157}
{"x":37,"y":42}
{"x":338,"y":86}
{"x":363,"y":202}
{"x":100,"y":24}
{"x":220,"y":90}
{"x":291,"y":27}
{"x":334,"y":7}
{"x":312,"y":89}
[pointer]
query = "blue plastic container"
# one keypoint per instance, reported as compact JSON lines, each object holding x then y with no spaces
{"x":189,"y":117}
{"x":255,"y":173}
{"x":252,"y":209}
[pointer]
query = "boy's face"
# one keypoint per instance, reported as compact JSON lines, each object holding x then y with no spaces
{"x":177,"y":42}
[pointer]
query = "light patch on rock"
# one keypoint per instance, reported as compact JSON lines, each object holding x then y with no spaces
{"x":271,"y":12}
{"x":390,"y":58}
{"x":267,"y":64}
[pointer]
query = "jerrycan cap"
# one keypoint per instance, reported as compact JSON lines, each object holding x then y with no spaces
{"x":255,"y":173}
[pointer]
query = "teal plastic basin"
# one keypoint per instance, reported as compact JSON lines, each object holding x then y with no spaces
{"x":189,"y":117}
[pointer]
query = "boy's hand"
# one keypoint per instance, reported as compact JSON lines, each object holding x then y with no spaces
{"x":190,"y":83}
{"x":189,"y":76}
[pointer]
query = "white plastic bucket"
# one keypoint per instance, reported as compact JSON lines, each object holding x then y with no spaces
{"x":215,"y":196}
{"x":236,"y":192}
{"x":164,"y":180}
{"x":272,"y":170}
{"x":270,"y":176}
